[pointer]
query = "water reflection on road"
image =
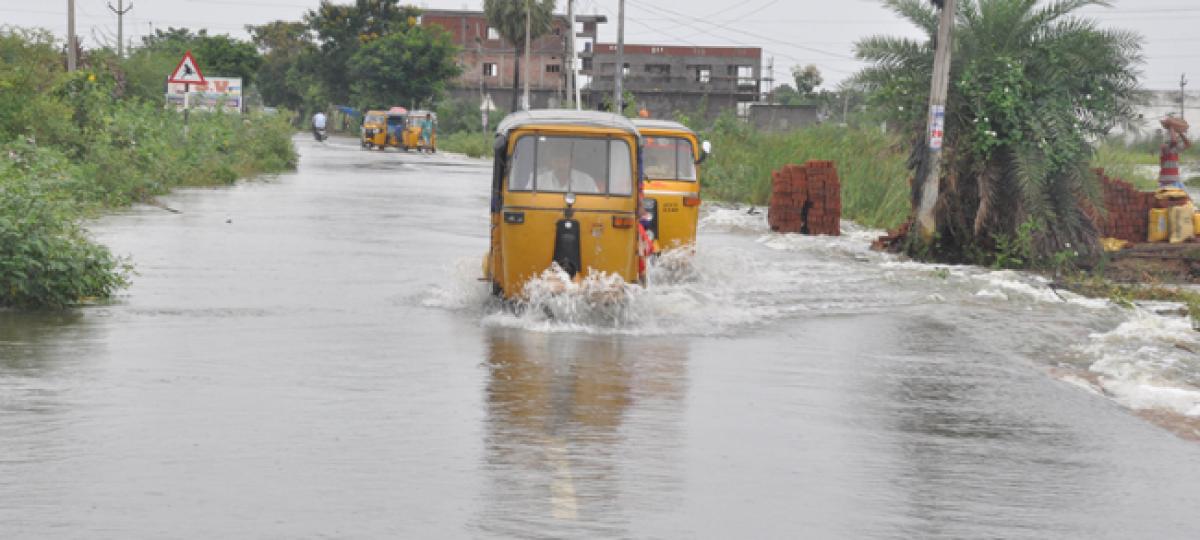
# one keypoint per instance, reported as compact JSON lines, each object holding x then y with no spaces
{"x":312,"y":356}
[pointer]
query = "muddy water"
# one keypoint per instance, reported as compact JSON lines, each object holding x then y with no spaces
{"x":311,"y":356}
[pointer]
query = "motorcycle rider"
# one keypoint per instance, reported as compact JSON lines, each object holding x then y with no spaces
{"x":318,"y":126}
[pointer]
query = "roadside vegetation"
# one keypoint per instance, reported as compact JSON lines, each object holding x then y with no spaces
{"x":870,"y":165}
{"x":1031,"y":83}
{"x":77,"y":143}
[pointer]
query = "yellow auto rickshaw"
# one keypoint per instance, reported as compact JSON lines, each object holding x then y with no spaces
{"x":374,"y":130}
{"x":565,"y":192}
{"x":671,"y":153}
{"x":397,"y":122}
{"x":412,"y":134}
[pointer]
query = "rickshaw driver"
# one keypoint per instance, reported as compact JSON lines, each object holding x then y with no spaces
{"x":562,"y":176}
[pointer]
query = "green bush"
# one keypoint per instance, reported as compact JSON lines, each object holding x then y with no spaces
{"x":46,"y":257}
{"x":476,"y":145}
{"x":74,"y":143}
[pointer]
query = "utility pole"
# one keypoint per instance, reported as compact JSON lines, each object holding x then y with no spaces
{"x":1182,"y":95}
{"x":71,"y":39}
{"x":926,"y":222}
{"x":770,"y":80}
{"x":121,"y":10}
{"x":570,"y":74}
{"x":528,"y":30}
{"x":619,"y":75}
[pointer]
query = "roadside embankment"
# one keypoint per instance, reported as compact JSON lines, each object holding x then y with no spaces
{"x":74,"y":145}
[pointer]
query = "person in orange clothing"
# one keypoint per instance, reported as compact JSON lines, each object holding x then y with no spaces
{"x":1168,"y":158}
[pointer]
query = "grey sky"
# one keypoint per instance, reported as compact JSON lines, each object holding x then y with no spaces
{"x":792,"y":31}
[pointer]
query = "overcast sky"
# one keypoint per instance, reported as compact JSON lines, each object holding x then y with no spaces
{"x":793,"y":32}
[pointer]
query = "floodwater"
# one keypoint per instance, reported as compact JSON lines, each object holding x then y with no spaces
{"x":311,"y":356}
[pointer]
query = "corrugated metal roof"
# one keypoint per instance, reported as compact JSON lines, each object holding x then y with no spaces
{"x":565,"y":117}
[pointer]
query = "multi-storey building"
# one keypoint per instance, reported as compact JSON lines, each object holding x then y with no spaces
{"x":669,"y":78}
{"x":487,"y":59}
{"x":663,"y":78}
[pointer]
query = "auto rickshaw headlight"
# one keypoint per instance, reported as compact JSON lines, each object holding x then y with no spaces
{"x":569,"y":198}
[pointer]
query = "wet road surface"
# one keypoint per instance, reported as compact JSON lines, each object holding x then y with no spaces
{"x":310,"y":356}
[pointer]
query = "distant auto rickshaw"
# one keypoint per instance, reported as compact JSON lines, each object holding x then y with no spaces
{"x":565,"y":192}
{"x":374,"y":130}
{"x":413,"y":139}
{"x":671,"y":154}
{"x":397,"y":122}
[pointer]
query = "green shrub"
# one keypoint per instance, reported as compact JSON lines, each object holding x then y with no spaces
{"x":46,"y":258}
{"x":476,"y":145}
{"x":74,"y":143}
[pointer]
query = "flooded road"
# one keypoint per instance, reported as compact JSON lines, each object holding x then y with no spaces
{"x":311,"y":356}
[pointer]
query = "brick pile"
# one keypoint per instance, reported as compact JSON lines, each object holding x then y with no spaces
{"x":1128,"y":210}
{"x":806,"y":199}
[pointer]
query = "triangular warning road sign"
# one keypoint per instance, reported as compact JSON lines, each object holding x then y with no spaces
{"x":187,"y":71}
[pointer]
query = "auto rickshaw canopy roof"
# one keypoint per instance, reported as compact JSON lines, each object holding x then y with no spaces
{"x":397,"y":111}
{"x":663,"y":125}
{"x":561,"y":117}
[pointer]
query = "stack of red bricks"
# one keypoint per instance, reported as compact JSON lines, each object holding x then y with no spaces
{"x":806,"y":199}
{"x":1128,"y":210}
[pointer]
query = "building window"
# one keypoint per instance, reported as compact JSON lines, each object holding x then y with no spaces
{"x":587,"y":64}
{"x":745,"y":76}
{"x":625,"y":70}
{"x":703,"y":73}
{"x":553,"y":68}
{"x":493,"y":34}
{"x":658,"y":69}
{"x":490,"y":70}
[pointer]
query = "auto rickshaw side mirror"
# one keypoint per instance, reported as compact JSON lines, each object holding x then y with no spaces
{"x":705,"y":150}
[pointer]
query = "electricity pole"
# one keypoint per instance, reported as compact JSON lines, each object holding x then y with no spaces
{"x":71,"y":39}
{"x":121,"y":10}
{"x":926,"y":222}
{"x":528,"y":30}
{"x":619,"y":75}
{"x":570,"y":74}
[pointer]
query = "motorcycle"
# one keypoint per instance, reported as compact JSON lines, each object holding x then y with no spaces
{"x":319,"y":134}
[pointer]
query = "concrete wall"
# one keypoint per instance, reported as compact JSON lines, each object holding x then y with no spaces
{"x":783,"y":117}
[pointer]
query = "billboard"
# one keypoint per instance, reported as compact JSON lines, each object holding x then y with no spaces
{"x":216,"y":92}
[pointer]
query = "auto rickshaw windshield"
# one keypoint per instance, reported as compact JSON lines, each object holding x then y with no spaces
{"x":582,"y":165}
{"x":374,"y":119}
{"x":669,"y":158}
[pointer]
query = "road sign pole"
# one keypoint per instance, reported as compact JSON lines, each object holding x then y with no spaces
{"x":187,"y":90}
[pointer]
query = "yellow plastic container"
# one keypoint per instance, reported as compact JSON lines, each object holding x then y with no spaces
{"x":1159,"y":230}
{"x":1182,"y":220}
{"x":1196,"y":221}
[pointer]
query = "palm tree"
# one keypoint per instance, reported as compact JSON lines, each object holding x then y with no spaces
{"x":1031,"y":85}
{"x":508,"y":18}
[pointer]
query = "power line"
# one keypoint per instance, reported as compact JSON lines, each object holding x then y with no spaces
{"x":723,"y":27}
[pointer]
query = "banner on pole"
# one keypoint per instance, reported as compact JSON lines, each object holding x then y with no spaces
{"x":937,"y":126}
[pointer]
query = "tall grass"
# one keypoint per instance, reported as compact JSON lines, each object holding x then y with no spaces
{"x":870,"y":164}
{"x":1134,"y":164}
